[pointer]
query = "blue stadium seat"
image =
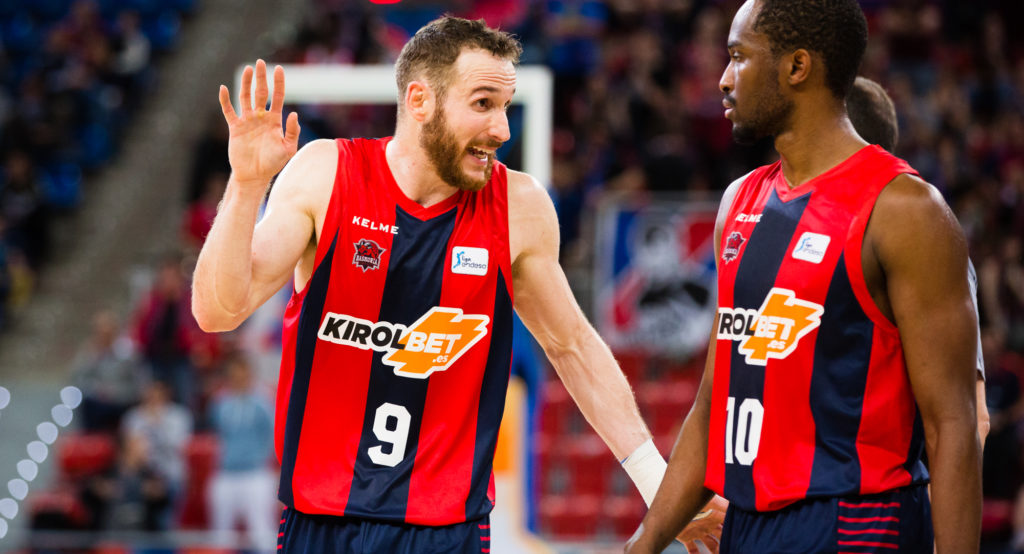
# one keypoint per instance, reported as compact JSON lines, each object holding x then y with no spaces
{"x":162,"y":30}
{"x":62,"y":185}
{"x":20,"y":33}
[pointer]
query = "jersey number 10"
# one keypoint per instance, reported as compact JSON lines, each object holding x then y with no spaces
{"x":747,"y":424}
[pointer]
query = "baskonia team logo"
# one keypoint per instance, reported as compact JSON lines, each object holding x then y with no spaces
{"x":732,"y":246}
{"x":367,"y":255}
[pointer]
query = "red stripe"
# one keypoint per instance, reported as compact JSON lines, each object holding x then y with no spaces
{"x":485,"y":550}
{"x":280,"y":546}
{"x":484,"y":526}
{"x":869,"y":532}
{"x":279,"y":535}
{"x":485,"y":538}
{"x":868,"y":543}
{"x":867,"y":519}
{"x":282,"y":522}
{"x":336,"y":400}
{"x":870,"y":505}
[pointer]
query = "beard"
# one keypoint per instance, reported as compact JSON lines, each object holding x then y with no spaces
{"x":445,"y":153}
{"x":769,"y":116}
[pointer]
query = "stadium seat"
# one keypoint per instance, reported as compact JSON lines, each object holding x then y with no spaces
{"x":200,"y":461}
{"x":590,"y":465}
{"x":621,"y":515}
{"x":82,"y":455}
{"x":59,"y":508}
{"x":569,"y":517}
{"x":556,"y":407}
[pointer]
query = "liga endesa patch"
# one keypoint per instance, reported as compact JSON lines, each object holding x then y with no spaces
{"x":433,"y":343}
{"x":772,"y":331}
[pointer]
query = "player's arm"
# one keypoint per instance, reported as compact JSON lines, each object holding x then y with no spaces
{"x":682,"y":491}
{"x":921,"y":250}
{"x":546,"y":305}
{"x":242,"y":264}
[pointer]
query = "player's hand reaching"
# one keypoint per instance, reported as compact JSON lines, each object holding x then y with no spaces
{"x":258,"y":147}
{"x":707,"y":529}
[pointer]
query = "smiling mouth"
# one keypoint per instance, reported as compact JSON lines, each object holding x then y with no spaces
{"x":480,"y":154}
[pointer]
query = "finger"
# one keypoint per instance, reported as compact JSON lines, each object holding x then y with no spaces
{"x":225,"y":106}
{"x":691,"y":547}
{"x":262,"y":91}
{"x":245,"y":94}
{"x":291,"y":129}
{"x":277,"y":102}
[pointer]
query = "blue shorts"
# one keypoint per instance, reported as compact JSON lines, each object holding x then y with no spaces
{"x":321,"y":534}
{"x":898,"y":521}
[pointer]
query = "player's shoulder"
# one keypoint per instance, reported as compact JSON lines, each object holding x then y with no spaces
{"x":911,"y":196}
{"x":525,"y":191}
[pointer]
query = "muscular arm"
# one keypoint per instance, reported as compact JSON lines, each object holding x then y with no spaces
{"x":546,"y":305}
{"x":682,"y":491}
{"x":921,"y":250}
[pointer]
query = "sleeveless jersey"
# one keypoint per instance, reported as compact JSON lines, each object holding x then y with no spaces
{"x":811,"y":395}
{"x":396,"y":354}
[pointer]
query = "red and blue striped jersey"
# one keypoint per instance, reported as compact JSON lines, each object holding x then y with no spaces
{"x":811,"y":395}
{"x":396,"y":354}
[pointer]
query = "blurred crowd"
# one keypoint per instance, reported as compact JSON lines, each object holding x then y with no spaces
{"x":72,"y":73}
{"x":637,"y":112}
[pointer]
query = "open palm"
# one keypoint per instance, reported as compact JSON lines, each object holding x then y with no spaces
{"x":258,"y":147}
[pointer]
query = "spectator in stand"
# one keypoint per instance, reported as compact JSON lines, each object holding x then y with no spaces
{"x":24,"y":208}
{"x":166,"y":428}
{"x":131,"y":496}
{"x":166,"y":331}
{"x":199,"y":216}
{"x":109,"y":375}
{"x":244,"y":486}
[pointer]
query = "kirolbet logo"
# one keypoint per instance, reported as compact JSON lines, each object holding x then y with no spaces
{"x":433,"y":343}
{"x":772,"y":331}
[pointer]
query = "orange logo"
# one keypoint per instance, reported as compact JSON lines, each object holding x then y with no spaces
{"x":435,"y":342}
{"x":772,"y":331}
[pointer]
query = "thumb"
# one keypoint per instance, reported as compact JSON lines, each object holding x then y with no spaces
{"x":291,"y":130}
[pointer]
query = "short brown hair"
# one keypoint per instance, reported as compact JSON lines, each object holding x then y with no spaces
{"x":873,"y":114}
{"x":435,"y":47}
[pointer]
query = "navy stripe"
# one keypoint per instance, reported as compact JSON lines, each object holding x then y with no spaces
{"x":305,"y":348}
{"x":759,"y":267}
{"x":492,"y":402}
{"x":916,"y":453}
{"x":842,"y":354}
{"x":412,"y":287}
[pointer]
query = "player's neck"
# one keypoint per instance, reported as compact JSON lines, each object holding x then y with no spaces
{"x":414,"y":173}
{"x":815,"y":144}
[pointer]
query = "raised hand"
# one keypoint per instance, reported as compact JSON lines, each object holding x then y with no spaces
{"x":258,"y":148}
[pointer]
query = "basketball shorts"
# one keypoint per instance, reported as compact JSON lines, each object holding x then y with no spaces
{"x":898,"y":521}
{"x":322,"y":534}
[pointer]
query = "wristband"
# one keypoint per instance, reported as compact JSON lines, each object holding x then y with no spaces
{"x":646,"y":468}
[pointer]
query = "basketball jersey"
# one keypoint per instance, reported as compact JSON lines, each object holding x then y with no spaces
{"x":811,"y":395}
{"x":396,"y":354}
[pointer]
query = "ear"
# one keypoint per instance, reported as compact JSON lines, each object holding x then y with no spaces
{"x":797,"y":66}
{"x":419,"y":100}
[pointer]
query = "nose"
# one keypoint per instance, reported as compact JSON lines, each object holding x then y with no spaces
{"x":726,"y":83}
{"x":499,"y":130}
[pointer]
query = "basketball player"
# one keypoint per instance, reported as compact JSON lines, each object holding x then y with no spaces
{"x":873,"y":115}
{"x":845,"y":335}
{"x":406,"y":254}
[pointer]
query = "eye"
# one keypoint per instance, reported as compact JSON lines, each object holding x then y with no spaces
{"x":483,"y":103}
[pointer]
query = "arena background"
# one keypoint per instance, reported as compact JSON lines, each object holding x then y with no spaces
{"x":113,"y":157}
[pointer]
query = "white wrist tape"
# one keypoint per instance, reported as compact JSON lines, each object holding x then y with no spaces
{"x":646,"y":468}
